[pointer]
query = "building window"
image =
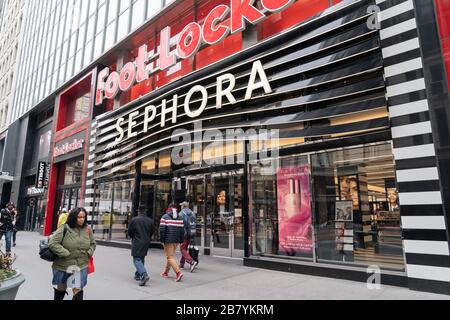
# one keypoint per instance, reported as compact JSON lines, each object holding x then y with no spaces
{"x":44,"y":144}
{"x":73,"y":171}
{"x":82,"y":107}
{"x":75,"y":104}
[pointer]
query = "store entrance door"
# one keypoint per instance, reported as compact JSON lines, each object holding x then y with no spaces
{"x":217,"y":201}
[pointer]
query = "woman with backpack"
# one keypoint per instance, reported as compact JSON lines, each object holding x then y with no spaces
{"x":190,"y":228}
{"x":73,"y":244}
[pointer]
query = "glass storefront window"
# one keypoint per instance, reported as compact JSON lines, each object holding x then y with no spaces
{"x":264,"y":210}
{"x":122,"y":205}
{"x":66,"y":198}
{"x":164,"y":162}
{"x":349,"y":196}
{"x":73,"y":172}
{"x":149,"y":165}
{"x":162,"y":198}
{"x":356,"y":207}
{"x":102,"y":218}
{"x":113,"y":213}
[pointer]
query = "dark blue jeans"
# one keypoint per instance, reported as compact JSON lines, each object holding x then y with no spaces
{"x":139,"y":263}
{"x":8,"y":235}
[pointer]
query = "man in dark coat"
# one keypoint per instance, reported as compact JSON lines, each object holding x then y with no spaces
{"x":140,"y":231}
{"x":7,"y":225}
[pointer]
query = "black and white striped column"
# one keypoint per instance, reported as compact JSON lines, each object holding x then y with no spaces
{"x":423,"y":221}
{"x":89,"y":194}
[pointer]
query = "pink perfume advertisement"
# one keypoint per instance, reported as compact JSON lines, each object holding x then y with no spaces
{"x":294,"y":210}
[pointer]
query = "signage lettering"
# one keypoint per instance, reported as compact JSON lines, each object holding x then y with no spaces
{"x":68,"y":147}
{"x":47,"y":176}
{"x":33,"y":190}
{"x":192,"y":37}
{"x":258,"y":80}
{"x":40,"y":178}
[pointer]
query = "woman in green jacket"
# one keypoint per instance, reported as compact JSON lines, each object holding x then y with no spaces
{"x":73,"y":250}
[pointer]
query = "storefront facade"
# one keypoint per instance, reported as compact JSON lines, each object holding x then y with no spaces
{"x":33,"y":201}
{"x":69,"y":150}
{"x":301,"y":146}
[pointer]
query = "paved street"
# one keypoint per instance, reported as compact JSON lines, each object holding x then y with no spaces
{"x":216,"y":278}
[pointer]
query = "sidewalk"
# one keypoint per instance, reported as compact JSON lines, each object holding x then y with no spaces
{"x":215,"y":278}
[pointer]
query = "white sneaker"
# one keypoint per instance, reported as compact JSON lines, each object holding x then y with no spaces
{"x":194,"y":265}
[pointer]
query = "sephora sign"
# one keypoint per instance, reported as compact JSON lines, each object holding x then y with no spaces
{"x":224,"y":87}
{"x":191,"y":38}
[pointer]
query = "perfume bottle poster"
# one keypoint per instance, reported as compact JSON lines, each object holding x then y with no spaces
{"x":294,"y":210}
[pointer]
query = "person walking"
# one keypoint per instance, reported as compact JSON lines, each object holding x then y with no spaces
{"x":107,"y":221}
{"x":73,"y":244}
{"x":7,"y":225}
{"x":62,"y":219}
{"x":171,"y":230}
{"x":190,"y":228}
{"x":140,"y":231}
{"x":15,"y":222}
{"x":127,"y":222}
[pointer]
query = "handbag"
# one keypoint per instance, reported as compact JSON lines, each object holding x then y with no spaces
{"x":44,"y":250}
{"x":91,"y":267}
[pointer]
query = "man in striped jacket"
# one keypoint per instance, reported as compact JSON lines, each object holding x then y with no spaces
{"x":171,"y":230}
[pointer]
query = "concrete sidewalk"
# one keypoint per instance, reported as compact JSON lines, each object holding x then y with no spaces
{"x":215,"y":278}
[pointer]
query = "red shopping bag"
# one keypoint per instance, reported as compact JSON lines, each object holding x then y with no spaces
{"x":91,"y":267}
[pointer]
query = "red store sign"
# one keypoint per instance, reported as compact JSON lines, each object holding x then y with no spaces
{"x":68,"y":147}
{"x":192,"y":37}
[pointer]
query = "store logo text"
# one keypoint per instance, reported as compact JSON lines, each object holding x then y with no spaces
{"x":191,"y":38}
{"x":68,"y":147}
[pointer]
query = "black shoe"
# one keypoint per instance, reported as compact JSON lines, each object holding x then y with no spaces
{"x":137,"y":277}
{"x":59,"y":295}
{"x":78,"y":296}
{"x":144,"y":280}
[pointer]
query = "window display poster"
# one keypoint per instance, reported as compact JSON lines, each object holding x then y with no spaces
{"x":294,"y":210}
{"x":344,"y":211}
{"x":348,"y":186}
{"x":392,"y":197}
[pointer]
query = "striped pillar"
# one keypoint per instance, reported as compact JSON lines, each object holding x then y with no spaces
{"x":423,"y":219}
{"x":89,"y":194}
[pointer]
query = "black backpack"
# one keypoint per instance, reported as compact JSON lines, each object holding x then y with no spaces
{"x":44,"y":250}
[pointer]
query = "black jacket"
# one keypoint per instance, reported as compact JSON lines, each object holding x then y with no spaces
{"x":171,"y":230}
{"x":6,"y":220}
{"x":140,"y":231}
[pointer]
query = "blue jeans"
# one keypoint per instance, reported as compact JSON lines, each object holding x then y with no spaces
{"x":8,"y":235}
{"x":61,"y":277}
{"x":139,"y":263}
